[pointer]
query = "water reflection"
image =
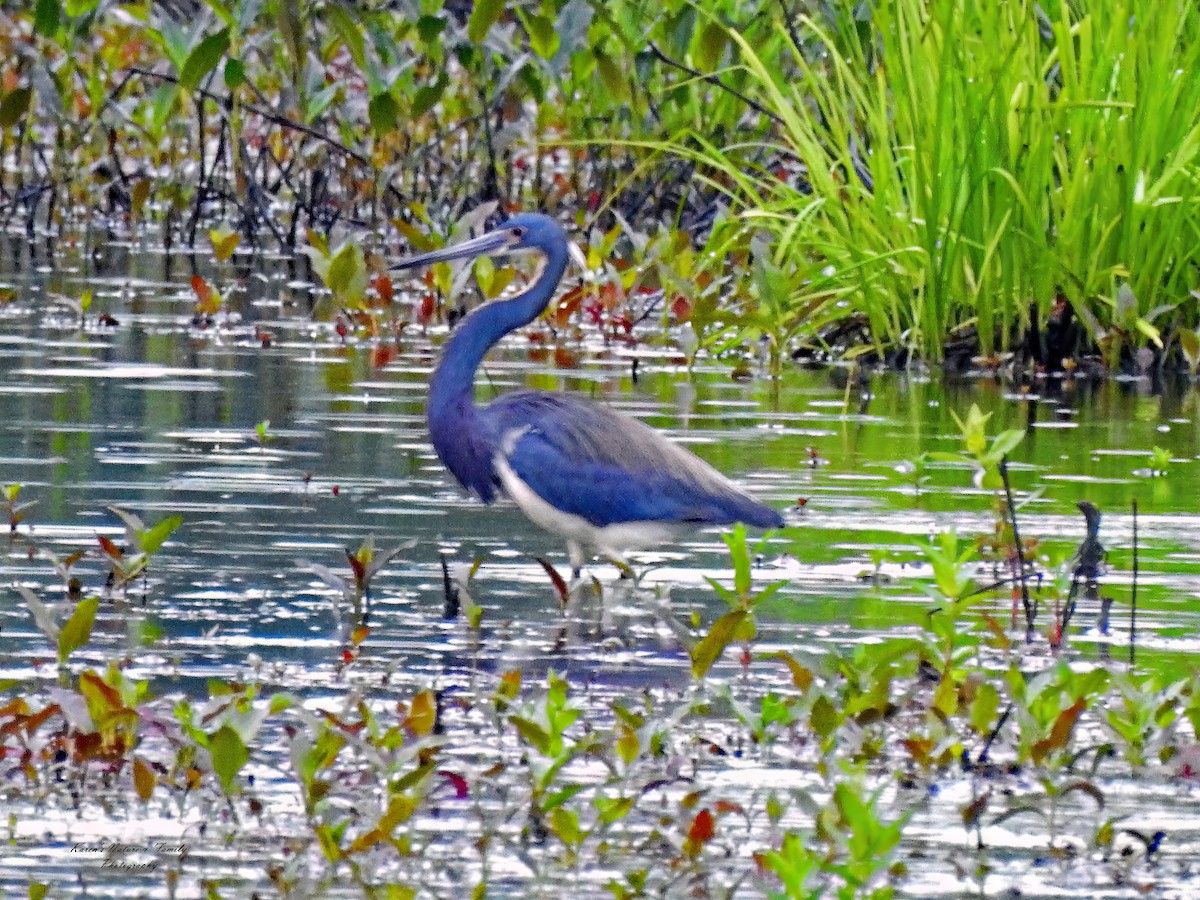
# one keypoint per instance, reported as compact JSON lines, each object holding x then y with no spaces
{"x":159,"y":417}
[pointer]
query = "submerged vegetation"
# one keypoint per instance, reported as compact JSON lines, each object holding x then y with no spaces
{"x":908,"y":178}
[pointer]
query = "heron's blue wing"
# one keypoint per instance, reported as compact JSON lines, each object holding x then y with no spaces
{"x":607,"y":468}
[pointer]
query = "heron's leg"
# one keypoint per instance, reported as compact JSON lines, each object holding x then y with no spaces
{"x":575,"y":552}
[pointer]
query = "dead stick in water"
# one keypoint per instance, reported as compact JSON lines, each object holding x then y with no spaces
{"x":1012,"y":519}
{"x":1133,"y":594}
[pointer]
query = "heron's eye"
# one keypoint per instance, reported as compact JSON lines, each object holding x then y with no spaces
{"x":519,"y":232}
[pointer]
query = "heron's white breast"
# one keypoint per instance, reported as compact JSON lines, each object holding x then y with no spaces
{"x":612,"y":539}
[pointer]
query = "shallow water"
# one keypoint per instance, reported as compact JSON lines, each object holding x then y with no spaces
{"x":159,"y":417}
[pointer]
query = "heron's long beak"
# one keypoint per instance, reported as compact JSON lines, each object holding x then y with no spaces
{"x":492,"y":242}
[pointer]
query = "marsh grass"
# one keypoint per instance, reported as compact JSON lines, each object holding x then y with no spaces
{"x":939,"y":164}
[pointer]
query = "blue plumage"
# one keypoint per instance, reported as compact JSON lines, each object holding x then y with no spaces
{"x":602,"y":480}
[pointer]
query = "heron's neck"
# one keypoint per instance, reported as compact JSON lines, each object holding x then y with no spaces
{"x":463,"y":441}
{"x":453,"y":382}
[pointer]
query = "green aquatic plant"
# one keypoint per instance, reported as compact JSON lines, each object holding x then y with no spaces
{"x":737,"y":624}
{"x":142,"y":542}
{"x":14,"y":508}
{"x":984,"y":453}
{"x":854,"y":852}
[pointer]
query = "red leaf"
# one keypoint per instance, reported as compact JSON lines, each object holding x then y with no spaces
{"x":681,"y":308}
{"x":201,"y":287}
{"x":568,"y":304}
{"x":704,"y":826}
{"x":383,"y":287}
{"x":457,"y":782}
{"x":382,"y":354}
{"x":110,"y":549}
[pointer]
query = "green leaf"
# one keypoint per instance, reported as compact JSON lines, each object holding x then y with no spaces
{"x":384,"y":112}
{"x":428,"y":95}
{"x":1003,"y":444}
{"x":76,"y":8}
{"x":204,"y":58}
{"x":542,"y":36}
{"x":235,"y":73}
{"x":282,"y":701}
{"x":351,"y":34}
{"x":429,"y":28}
{"x":229,"y":754}
{"x":710,"y":45}
{"x":42,"y":616}
{"x":162,"y":105}
{"x":46,"y":17}
{"x":533,"y":733}
{"x":824,"y":718}
{"x":78,"y":628}
{"x":574,"y":20}
{"x":614,"y":79}
{"x":1149,"y":331}
{"x":37,"y":890}
{"x":1189,"y":342}
{"x":707,"y":651}
{"x":152,"y":538}
{"x":347,"y":276}
{"x":565,"y":824}
{"x":483,"y":17}
{"x":14,"y":105}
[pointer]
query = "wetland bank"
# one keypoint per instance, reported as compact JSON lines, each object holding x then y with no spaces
{"x":919,"y":273}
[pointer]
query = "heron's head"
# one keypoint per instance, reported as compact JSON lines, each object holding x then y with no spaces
{"x":524,"y":232}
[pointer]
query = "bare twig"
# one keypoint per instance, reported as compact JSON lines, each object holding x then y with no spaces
{"x":1030,"y":613}
{"x":283,"y":121}
{"x":1133,"y":593}
{"x":717,"y":82}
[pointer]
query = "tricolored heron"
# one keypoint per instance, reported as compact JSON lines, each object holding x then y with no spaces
{"x":603,"y":481}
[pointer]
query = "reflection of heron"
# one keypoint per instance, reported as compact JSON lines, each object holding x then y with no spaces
{"x":1090,"y":555}
{"x":1086,"y":567}
{"x":604,"y":481}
